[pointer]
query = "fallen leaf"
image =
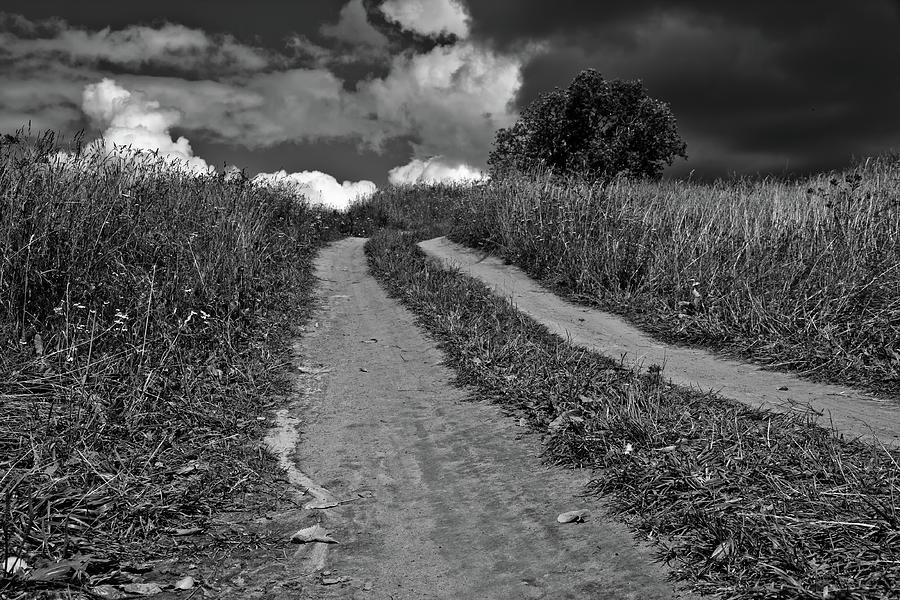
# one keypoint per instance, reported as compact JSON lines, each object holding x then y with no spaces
{"x":572,"y":516}
{"x":185,"y":583}
{"x":186,"y":531}
{"x":315,"y":533}
{"x":14,"y":565}
{"x":564,"y":417}
{"x":628,"y":449}
{"x":107,"y":591}
{"x":334,"y":580}
{"x":667,"y":449}
{"x":142,"y":589}
{"x":191,"y":467}
{"x":363,"y":369}
{"x":723,"y":550}
{"x":59,"y":572}
{"x":370,"y":341}
{"x":783,"y":388}
{"x":557,"y":423}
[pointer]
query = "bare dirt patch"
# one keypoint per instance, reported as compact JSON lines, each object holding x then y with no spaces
{"x":437,"y":497}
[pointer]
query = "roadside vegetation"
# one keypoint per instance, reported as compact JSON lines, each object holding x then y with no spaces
{"x":144,"y":320}
{"x":801,"y":276}
{"x":743,"y":503}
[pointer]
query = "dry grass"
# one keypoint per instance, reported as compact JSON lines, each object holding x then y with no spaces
{"x":143,"y":315}
{"x":800,"y":275}
{"x":743,"y":503}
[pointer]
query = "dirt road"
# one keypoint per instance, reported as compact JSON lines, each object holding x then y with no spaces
{"x":440,"y":497}
{"x":851,"y":411}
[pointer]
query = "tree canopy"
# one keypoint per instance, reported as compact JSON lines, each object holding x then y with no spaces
{"x":595,"y":128}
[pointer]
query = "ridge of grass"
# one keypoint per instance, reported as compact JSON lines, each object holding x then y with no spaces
{"x":742,"y":503}
{"x":145,"y":315}
{"x":799,"y":276}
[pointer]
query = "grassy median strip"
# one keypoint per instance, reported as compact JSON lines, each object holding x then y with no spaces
{"x":800,"y":275}
{"x":743,"y":503}
{"x":145,"y":315}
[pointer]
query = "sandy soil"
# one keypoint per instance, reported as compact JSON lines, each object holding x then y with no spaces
{"x":438,"y":496}
{"x":851,"y":411}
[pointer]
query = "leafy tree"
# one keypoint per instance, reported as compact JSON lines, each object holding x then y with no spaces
{"x":595,"y":128}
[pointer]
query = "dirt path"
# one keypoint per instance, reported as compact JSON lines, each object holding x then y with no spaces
{"x":851,"y":411}
{"x":439,"y":497}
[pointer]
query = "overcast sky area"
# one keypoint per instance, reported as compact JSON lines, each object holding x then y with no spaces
{"x":360,"y":89}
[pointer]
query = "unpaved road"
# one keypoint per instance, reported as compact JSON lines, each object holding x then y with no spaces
{"x":851,"y":411}
{"x":442,"y":497}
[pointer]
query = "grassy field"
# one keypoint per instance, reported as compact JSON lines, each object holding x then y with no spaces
{"x":144,"y":321}
{"x":798,"y":275}
{"x":145,"y":316}
{"x":742,"y":503}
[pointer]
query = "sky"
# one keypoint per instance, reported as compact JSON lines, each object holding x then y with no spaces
{"x":340,"y":96}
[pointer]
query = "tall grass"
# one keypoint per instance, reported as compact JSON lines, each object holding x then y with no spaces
{"x":142,"y":313}
{"x":803,"y":275}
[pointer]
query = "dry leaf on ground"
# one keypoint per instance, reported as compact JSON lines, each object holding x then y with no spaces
{"x":142,"y":589}
{"x":572,"y":516}
{"x":315,"y":533}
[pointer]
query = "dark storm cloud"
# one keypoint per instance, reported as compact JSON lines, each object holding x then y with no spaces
{"x":807,"y":84}
{"x":372,"y":85}
{"x":269,"y":22}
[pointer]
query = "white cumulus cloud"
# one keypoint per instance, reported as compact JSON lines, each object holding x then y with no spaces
{"x":318,"y":188}
{"x":429,"y":17}
{"x":452,"y":98}
{"x":435,"y":170}
{"x":129,"y":119}
{"x":446,"y":101}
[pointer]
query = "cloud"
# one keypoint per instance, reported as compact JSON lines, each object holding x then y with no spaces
{"x":353,"y":27}
{"x":171,"y":46}
{"x":130,"y":120}
{"x":429,"y":17}
{"x":434,"y":170}
{"x":265,"y":109}
{"x":450,"y":100}
{"x":318,"y":188}
{"x":447,"y":100}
